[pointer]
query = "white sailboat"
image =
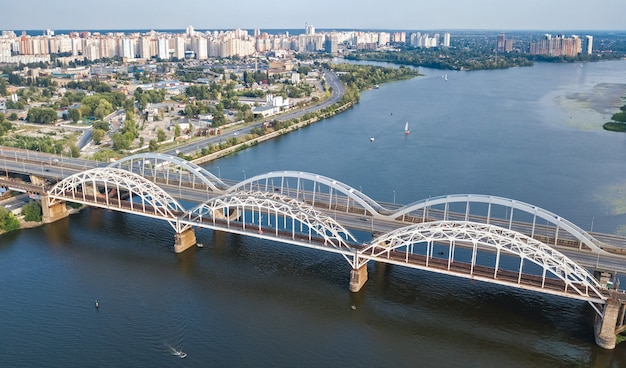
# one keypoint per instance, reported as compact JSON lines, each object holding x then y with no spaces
{"x":445,"y":77}
{"x":406,"y":128}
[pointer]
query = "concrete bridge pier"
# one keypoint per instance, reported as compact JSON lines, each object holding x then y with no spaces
{"x":358,"y":278}
{"x":603,"y":277}
{"x":184,"y":240}
{"x":604,"y":328}
{"x":52,"y":212}
{"x":36,"y":180}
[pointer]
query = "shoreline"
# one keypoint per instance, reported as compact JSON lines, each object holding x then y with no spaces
{"x":253,"y":142}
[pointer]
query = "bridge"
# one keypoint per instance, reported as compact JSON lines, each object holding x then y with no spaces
{"x":478,"y":237}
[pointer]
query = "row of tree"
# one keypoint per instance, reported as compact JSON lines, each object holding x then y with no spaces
{"x":363,"y":77}
{"x":446,"y":58}
{"x":41,"y":115}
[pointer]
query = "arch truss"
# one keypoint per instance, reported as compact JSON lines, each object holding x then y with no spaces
{"x":506,"y":213}
{"x":317,"y":190}
{"x":119,"y":189}
{"x":170,"y":170}
{"x":284,"y":216}
{"x":503,"y":242}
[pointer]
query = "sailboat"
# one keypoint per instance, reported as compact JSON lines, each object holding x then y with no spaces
{"x":445,"y":77}
{"x":406,"y":128}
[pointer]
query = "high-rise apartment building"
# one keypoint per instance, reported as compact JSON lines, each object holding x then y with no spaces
{"x":557,"y":46}
{"x":501,"y":42}
{"x":163,"y":48}
{"x":446,"y":40}
{"x":587,"y":47}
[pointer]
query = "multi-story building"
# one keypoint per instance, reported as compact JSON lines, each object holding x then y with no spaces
{"x":163,"y":48}
{"x":424,"y":40}
{"x":501,"y":42}
{"x":446,"y":40}
{"x":332,"y":43}
{"x":127,"y":48}
{"x":558,"y":46}
{"x":587,"y":47}
{"x":178,"y":47}
{"x":199,"y":47}
{"x":399,"y":37}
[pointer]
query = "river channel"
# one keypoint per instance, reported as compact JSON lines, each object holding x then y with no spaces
{"x":531,"y":134}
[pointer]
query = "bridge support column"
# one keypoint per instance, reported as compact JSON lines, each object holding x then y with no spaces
{"x":51,"y":213}
{"x":602,"y":276}
{"x":358,"y":277}
{"x":36,"y":180}
{"x":184,"y":240}
{"x":604,"y":327}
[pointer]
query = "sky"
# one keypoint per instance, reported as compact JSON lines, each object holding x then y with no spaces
{"x":499,"y":15}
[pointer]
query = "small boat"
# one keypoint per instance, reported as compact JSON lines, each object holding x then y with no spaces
{"x":97,"y":305}
{"x":445,"y":77}
{"x":371,"y":139}
{"x":406,"y":128}
{"x":376,"y":86}
{"x":179,"y":353}
{"x":199,"y":245}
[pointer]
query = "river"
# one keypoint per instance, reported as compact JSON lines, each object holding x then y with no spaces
{"x":532,"y":134}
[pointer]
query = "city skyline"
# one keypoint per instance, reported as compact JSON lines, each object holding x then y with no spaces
{"x":325,"y":14}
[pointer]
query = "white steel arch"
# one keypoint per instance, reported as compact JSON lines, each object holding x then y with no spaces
{"x":83,"y":186}
{"x":496,"y":238}
{"x":265,"y":182}
{"x":560,"y":223}
{"x":165,"y":167}
{"x":275,"y":206}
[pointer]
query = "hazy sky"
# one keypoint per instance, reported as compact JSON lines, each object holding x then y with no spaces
{"x":554,"y":15}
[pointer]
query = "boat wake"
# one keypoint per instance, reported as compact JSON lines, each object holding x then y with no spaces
{"x":179,"y":353}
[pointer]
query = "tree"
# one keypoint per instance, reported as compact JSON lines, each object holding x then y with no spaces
{"x":13,"y":116}
{"x":97,"y":135}
{"x":75,"y":115}
{"x":153,"y":145}
{"x":104,"y":108}
{"x":8,"y":222}
{"x":161,"y":135}
{"x":101,"y":124}
{"x":218,"y":118}
{"x":74,"y":151}
{"x":176,"y":131}
{"x":41,"y":115}
{"x":120,"y":142}
{"x":32,"y":211}
{"x":3,"y":87}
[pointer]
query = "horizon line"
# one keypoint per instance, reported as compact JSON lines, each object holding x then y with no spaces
{"x":324,"y":29}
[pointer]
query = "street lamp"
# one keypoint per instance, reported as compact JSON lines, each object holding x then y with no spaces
{"x":394,"y":196}
{"x":219,"y":174}
{"x":244,"y":174}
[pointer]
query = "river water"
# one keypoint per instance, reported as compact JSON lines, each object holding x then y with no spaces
{"x":532,"y":134}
